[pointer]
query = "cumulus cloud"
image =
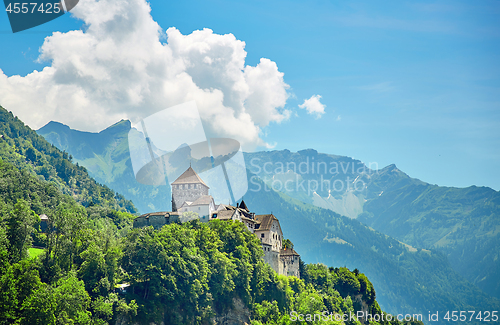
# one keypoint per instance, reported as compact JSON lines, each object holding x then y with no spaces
{"x":314,"y":106}
{"x":118,"y":68}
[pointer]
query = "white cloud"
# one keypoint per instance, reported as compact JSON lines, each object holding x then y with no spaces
{"x":118,"y":68}
{"x":314,"y":106}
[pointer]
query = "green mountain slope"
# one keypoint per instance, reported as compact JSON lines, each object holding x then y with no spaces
{"x":462,"y":223}
{"x":106,"y":156}
{"x":25,"y":149}
{"x":182,"y":274}
{"x":409,"y":278}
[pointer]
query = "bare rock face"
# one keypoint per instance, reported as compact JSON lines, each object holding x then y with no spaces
{"x":238,"y":315}
{"x":364,"y":306}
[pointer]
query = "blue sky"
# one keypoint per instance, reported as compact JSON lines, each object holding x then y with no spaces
{"x":415,"y":83}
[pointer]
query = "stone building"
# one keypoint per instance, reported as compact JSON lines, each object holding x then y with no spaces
{"x":187,"y":188}
{"x":44,"y":223}
{"x":190,"y":193}
{"x":204,"y":206}
{"x":239,"y":213}
{"x":156,"y":219}
{"x":289,"y":262}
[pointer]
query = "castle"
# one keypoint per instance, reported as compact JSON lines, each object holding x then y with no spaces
{"x":190,"y":194}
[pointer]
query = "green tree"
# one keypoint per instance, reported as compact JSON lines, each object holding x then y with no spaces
{"x":94,"y":271}
{"x":189,"y":216}
{"x":20,"y":223}
{"x":65,"y":303}
{"x":347,"y":283}
{"x":287,"y":244}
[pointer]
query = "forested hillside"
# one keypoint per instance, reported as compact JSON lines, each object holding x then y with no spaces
{"x":408,"y":279}
{"x":190,"y":273}
{"x":461,"y":223}
{"x":415,"y":279}
{"x":106,"y":155}
{"x":25,"y":149}
{"x":80,"y":244}
{"x":182,"y":274}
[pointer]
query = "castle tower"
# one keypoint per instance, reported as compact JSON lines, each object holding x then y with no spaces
{"x":187,"y":188}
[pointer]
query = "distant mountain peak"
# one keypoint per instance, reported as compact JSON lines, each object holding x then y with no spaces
{"x":392,"y":167}
{"x":122,"y":125}
{"x":53,"y":125}
{"x":308,"y":152}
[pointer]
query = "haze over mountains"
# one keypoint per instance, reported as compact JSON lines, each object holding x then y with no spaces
{"x":463,"y":223}
{"x":439,"y":234}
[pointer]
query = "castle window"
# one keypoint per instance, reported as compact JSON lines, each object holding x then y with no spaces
{"x":262,"y":235}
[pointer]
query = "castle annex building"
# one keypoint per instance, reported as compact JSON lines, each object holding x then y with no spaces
{"x":191,"y":194}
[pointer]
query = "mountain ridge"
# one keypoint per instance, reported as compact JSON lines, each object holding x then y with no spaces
{"x":193,"y":273}
{"x":382,"y":186}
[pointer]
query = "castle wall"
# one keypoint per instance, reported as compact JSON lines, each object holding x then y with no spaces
{"x":186,"y":192}
{"x":289,"y":265}
{"x":271,"y":257}
{"x":202,"y":210}
{"x":157,"y":221}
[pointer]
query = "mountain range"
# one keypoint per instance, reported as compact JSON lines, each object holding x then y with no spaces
{"x":424,"y":247}
{"x":86,"y":250}
{"x":462,"y":223}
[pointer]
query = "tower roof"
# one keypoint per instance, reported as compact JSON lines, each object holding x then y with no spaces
{"x":243,"y":206}
{"x":189,"y":177}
